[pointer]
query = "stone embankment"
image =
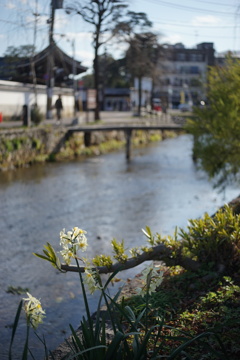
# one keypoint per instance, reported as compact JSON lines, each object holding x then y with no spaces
{"x":22,"y":146}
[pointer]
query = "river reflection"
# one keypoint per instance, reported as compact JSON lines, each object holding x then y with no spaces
{"x":105,"y":196}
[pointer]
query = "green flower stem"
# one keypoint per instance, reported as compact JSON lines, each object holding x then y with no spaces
{"x":15,"y":324}
{"x":25,"y":350}
{"x":85,"y":297}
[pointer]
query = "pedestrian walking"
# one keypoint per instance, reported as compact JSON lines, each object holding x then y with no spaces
{"x":59,"y":108}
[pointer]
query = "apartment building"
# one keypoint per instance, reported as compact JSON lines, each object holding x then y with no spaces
{"x":182,"y":73}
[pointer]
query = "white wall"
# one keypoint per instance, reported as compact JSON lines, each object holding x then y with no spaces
{"x":14,"y":95}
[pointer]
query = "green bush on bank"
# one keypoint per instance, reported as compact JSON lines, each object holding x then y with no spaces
{"x":21,"y":150}
{"x":36,"y":116}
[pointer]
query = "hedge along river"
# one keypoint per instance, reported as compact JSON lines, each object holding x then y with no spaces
{"x":107,"y":197}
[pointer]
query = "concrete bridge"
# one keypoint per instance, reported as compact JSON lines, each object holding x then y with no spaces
{"x":128,"y":129}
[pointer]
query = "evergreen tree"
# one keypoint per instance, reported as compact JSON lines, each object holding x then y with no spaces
{"x":216,"y":127}
{"x":142,"y":57}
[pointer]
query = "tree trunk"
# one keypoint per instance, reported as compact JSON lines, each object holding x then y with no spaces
{"x":96,"y":86}
{"x":139,"y":95}
{"x":96,"y":74}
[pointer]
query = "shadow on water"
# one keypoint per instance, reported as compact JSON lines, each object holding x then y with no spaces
{"x":109,"y":198}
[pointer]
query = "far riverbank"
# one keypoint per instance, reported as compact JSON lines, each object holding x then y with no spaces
{"x":21,"y":147}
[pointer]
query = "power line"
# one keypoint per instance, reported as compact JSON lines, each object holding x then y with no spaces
{"x":216,"y":3}
{"x":189,"y":8}
{"x":205,"y":36}
{"x":191,"y":25}
{"x":23,"y":26}
{"x":8,"y":21}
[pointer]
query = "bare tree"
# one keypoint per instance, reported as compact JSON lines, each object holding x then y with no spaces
{"x":102,"y":15}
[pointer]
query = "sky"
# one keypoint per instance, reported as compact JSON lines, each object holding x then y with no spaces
{"x":190,"y":22}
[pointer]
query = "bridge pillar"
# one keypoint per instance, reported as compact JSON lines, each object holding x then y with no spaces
{"x":128,"y":133}
{"x":87,"y":138}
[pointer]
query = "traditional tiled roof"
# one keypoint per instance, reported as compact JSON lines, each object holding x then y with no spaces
{"x":63,"y":66}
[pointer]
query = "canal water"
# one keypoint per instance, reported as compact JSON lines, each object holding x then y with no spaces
{"x":107,"y":197}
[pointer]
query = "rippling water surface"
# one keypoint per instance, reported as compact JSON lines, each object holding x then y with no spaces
{"x":109,"y":199}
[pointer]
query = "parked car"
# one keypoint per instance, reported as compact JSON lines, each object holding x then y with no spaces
{"x":156,"y":105}
{"x":184,"y":107}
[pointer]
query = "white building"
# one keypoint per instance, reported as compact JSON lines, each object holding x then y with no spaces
{"x":146,"y":92}
{"x":183,"y":72}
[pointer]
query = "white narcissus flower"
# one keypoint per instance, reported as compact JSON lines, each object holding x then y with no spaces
{"x":151,"y":279}
{"x":65,"y":238}
{"x":81,"y":242}
{"x":78,"y":232}
{"x":149,"y":269}
{"x":33,"y":310}
{"x":67,"y":255}
{"x":72,"y":241}
{"x":90,"y":280}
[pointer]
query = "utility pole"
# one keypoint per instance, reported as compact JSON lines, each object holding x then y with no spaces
{"x":55,"y":4}
{"x":50,"y":79}
{"x":36,"y":15}
{"x":74,"y":78}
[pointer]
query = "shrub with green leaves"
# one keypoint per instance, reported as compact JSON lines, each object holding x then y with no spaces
{"x":214,"y":240}
{"x":36,"y":115}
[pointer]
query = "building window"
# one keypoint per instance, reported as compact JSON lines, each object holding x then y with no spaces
{"x":185,"y":70}
{"x":193,"y":57}
{"x":194,"y":70}
{"x":181,"y":56}
{"x":176,"y":82}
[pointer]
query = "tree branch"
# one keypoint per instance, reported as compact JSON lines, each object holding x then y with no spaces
{"x":159,"y":252}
